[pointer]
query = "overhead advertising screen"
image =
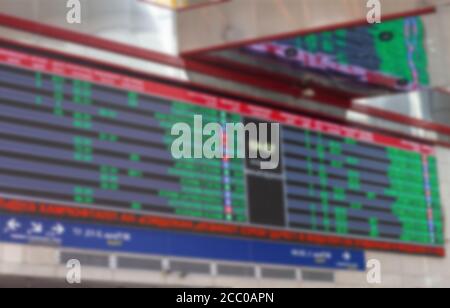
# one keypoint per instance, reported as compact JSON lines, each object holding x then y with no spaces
{"x":391,"y":54}
{"x":88,"y":145}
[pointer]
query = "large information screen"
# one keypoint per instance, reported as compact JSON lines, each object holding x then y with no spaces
{"x":82,"y":143}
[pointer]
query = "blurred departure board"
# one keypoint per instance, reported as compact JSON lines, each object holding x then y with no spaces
{"x":74,"y":137}
{"x":390,"y":54}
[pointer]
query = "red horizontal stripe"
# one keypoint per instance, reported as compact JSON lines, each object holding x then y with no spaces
{"x":152,"y":221}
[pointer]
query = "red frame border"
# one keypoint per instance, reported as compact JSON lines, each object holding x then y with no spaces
{"x":220,"y":228}
{"x":27,"y":207}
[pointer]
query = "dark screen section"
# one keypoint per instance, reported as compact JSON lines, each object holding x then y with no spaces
{"x":266,"y":201}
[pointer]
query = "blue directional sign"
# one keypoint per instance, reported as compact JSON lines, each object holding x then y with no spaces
{"x":60,"y":233}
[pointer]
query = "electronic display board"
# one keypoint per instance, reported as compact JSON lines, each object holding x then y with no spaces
{"x":81,"y":143}
{"x":391,"y":54}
